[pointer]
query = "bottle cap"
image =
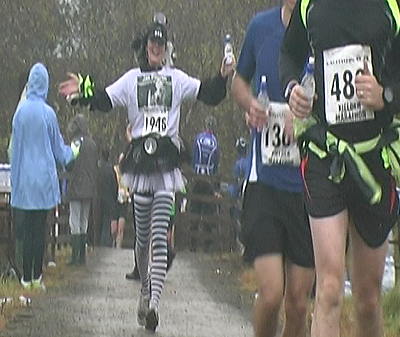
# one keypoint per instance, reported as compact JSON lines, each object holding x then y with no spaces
{"x":160,"y":18}
{"x":310,"y":65}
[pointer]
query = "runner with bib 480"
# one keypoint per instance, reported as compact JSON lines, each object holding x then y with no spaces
{"x":351,"y":145}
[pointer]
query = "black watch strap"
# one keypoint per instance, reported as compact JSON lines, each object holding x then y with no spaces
{"x":289,"y":89}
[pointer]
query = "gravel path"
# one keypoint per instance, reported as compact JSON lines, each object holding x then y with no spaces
{"x":201,"y":298}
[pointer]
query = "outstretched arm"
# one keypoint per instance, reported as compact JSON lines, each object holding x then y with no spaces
{"x":77,"y":89}
{"x":213,"y":90}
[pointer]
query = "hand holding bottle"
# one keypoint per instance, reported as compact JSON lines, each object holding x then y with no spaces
{"x":302,"y":95}
{"x":299,"y":102}
{"x":228,"y":69}
{"x":228,"y":50}
{"x":257,"y":116}
{"x":229,"y":60}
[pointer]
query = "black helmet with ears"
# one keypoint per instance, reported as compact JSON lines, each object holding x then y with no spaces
{"x":157,"y":30}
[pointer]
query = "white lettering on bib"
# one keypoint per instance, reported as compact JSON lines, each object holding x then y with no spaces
{"x":276,"y":149}
{"x":341,"y":65}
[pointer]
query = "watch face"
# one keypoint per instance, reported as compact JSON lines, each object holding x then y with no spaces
{"x":388,"y":95}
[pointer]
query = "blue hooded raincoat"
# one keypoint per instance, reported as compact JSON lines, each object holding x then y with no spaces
{"x":37,"y":146}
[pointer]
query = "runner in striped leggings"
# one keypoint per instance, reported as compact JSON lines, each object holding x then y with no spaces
{"x":158,"y":207}
{"x":152,"y":94}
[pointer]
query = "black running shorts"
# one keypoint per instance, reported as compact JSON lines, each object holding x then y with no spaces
{"x":120,"y":211}
{"x":325,"y":198}
{"x":275,"y":221}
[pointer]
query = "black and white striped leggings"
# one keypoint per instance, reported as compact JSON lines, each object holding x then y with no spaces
{"x":152,"y":213}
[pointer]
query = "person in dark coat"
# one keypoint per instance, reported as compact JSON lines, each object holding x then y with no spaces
{"x":82,"y":181}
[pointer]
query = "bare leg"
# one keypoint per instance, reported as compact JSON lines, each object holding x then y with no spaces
{"x":366,"y":276}
{"x":114,"y":228}
{"x":120,"y":232}
{"x":329,"y":240}
{"x":270,"y":283}
{"x":299,"y":284}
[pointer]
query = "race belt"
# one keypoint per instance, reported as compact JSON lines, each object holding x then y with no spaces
{"x":316,"y":138}
{"x":151,"y":153}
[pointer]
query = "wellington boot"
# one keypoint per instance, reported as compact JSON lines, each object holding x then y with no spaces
{"x":82,"y":249}
{"x":38,"y":284}
{"x":26,"y":285}
{"x":75,"y":244}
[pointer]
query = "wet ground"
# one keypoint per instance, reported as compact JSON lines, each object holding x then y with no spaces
{"x":201,"y":298}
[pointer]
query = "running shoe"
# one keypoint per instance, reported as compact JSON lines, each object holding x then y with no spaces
{"x":134,"y":275}
{"x":152,"y":320}
{"x":143,"y":309}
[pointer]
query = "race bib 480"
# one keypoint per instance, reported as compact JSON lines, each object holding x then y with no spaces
{"x":341,"y":65}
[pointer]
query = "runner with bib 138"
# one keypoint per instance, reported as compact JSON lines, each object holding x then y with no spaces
{"x":274,"y":225}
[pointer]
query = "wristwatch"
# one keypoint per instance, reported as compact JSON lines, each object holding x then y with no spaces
{"x":289,"y":89}
{"x":387,"y":95}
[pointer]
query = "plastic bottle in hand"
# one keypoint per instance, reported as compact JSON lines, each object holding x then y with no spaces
{"x":308,"y":80}
{"x":263,"y":97}
{"x":228,"y":50}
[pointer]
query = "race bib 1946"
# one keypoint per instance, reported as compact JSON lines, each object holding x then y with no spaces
{"x":154,"y":101}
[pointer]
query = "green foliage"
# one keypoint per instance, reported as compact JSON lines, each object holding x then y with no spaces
{"x":96,"y":36}
{"x":391,"y":312}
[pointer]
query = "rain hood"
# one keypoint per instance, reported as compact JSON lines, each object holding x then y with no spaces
{"x":38,"y":82}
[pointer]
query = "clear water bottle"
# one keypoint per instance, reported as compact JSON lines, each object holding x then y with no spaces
{"x":228,"y":50}
{"x":170,"y":55}
{"x":308,"y":80}
{"x":263,"y":97}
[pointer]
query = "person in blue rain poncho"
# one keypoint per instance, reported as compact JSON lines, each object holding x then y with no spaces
{"x":37,"y":147}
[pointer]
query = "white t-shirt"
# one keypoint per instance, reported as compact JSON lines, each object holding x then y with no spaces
{"x":153,"y":99}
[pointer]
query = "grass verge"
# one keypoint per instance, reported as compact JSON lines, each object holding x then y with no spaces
{"x":54,"y":278}
{"x":390,"y":304}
